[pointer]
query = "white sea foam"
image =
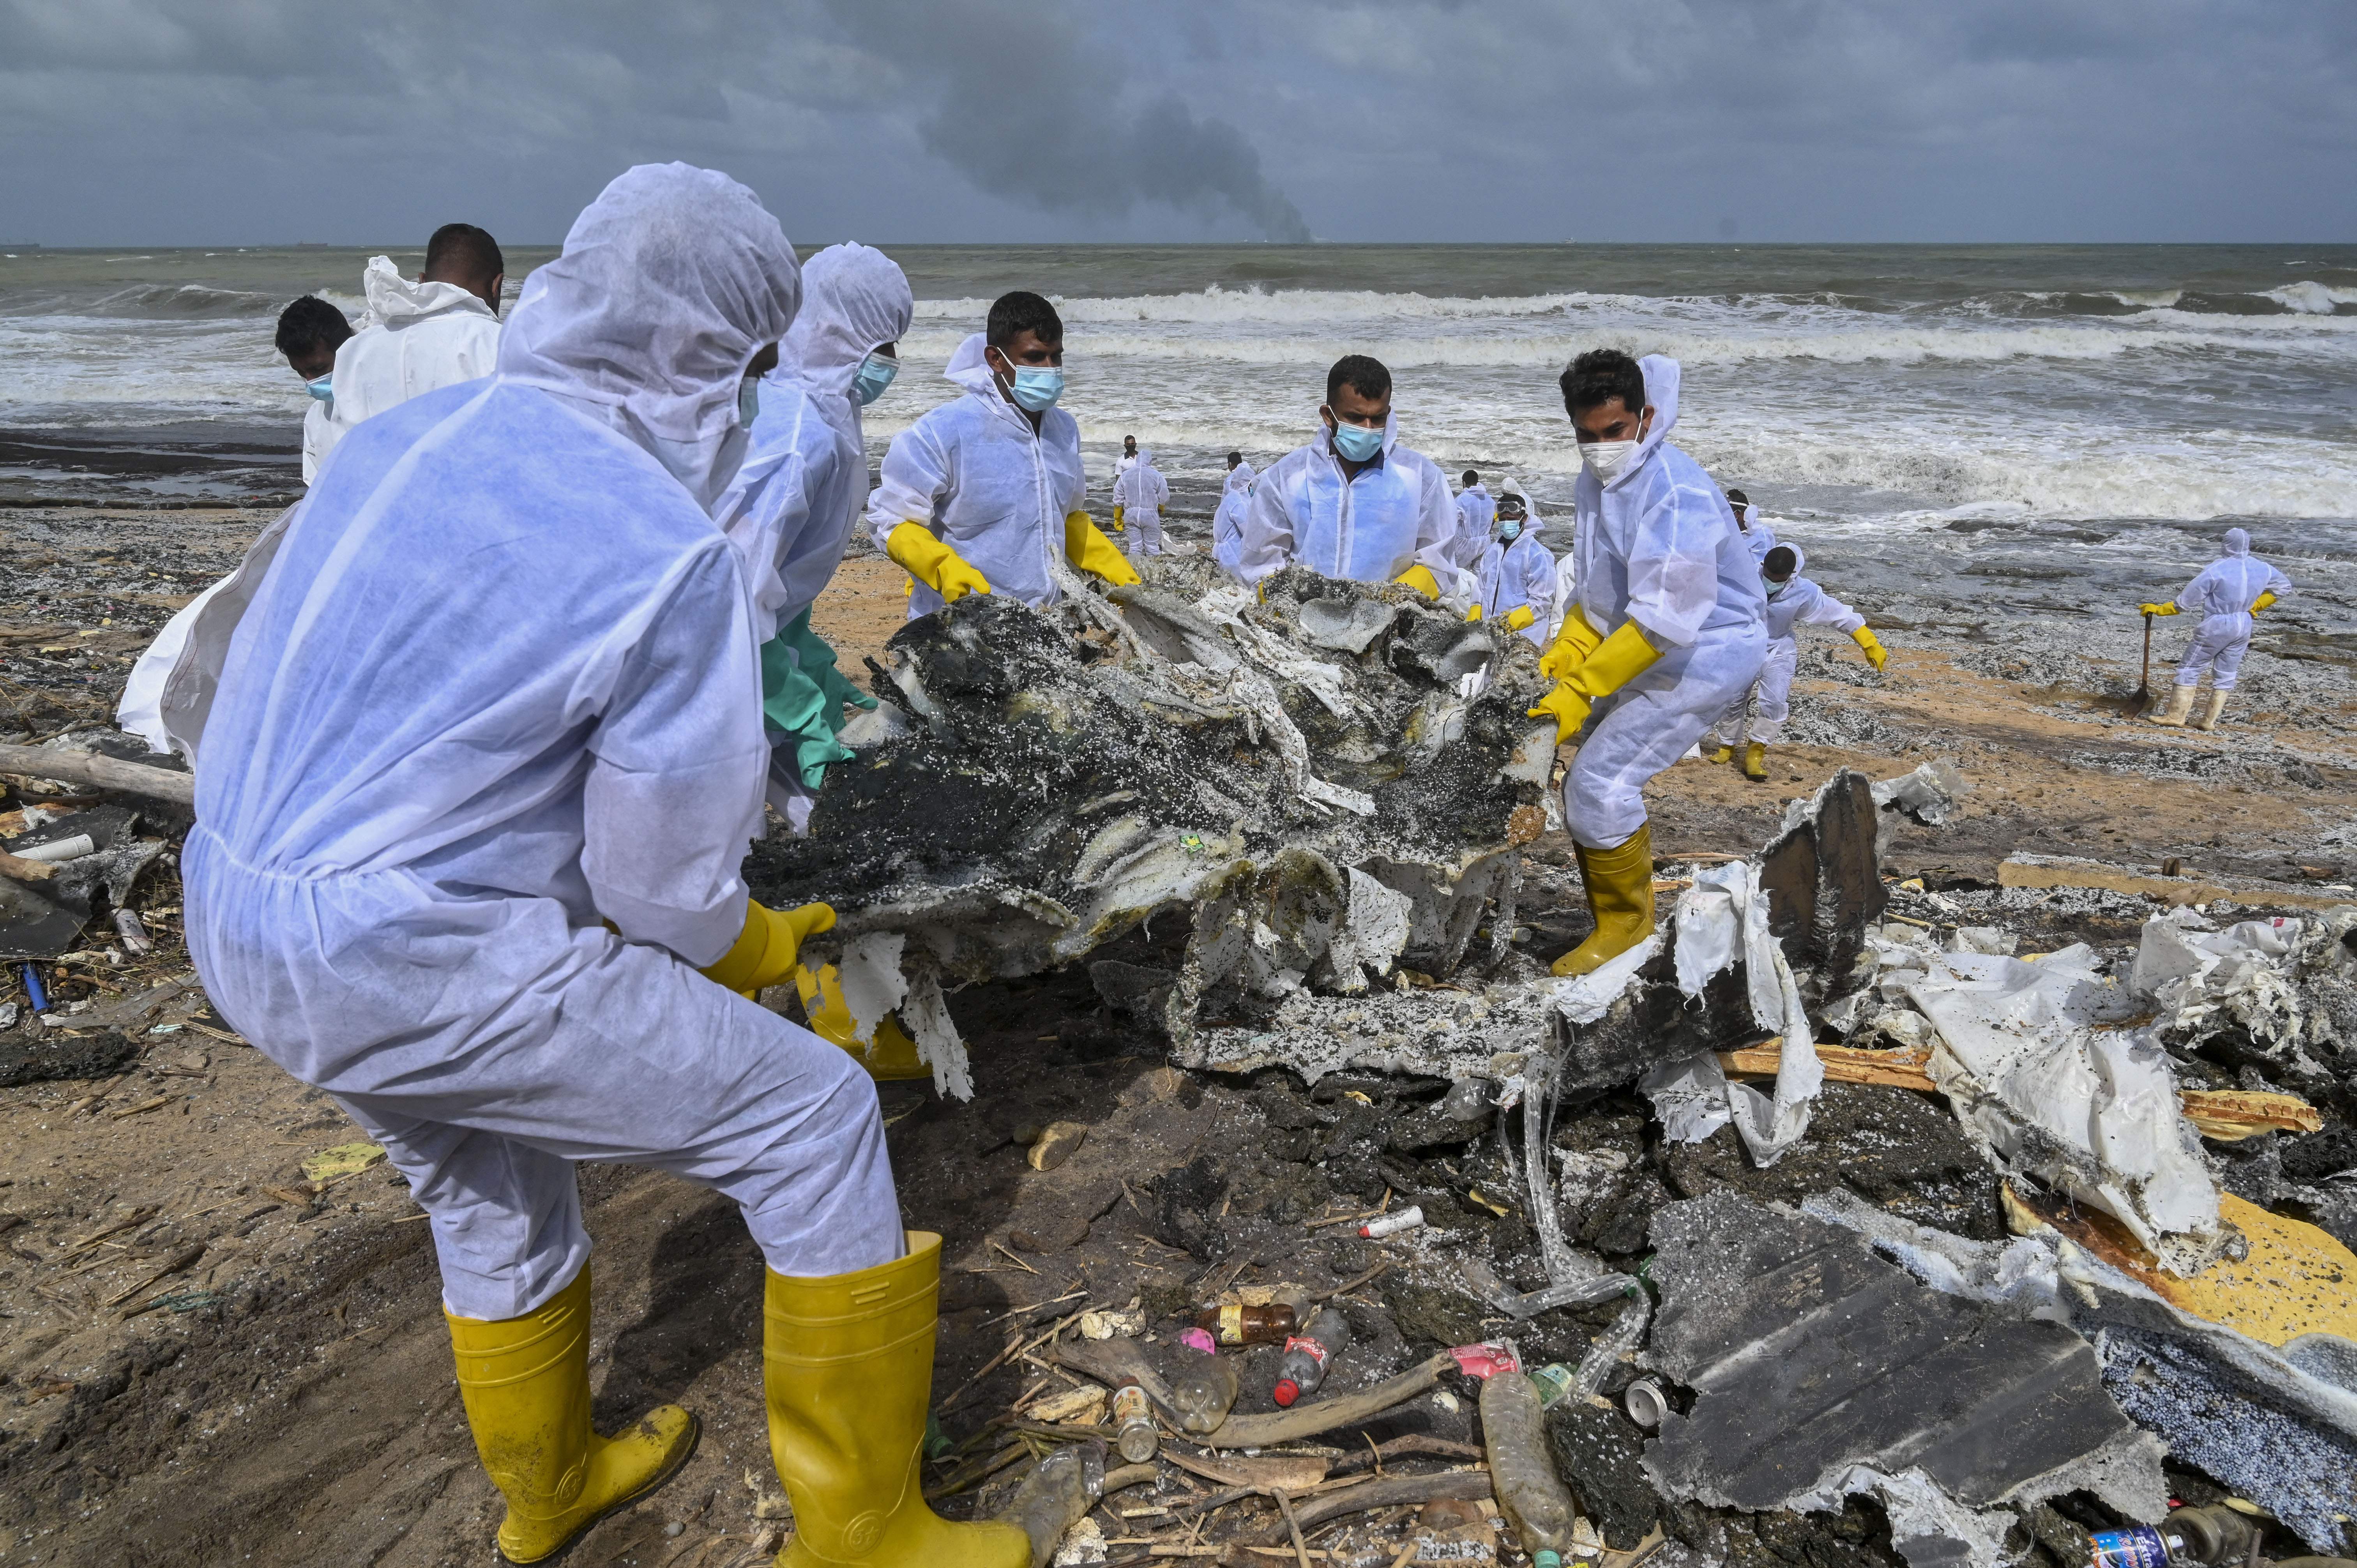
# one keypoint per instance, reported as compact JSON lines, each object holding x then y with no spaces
{"x":2311,"y":298}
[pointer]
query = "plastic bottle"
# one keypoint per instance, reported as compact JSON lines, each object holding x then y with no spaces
{"x":1204,"y":1389}
{"x":1054,"y":1496}
{"x":1530,"y":1494}
{"x":134,"y":935}
{"x":1307,"y":1353}
{"x":2216,"y":1536}
{"x":1553,"y":1381}
{"x":1392,"y":1224}
{"x":1232,"y":1324}
{"x":1605,"y":1353}
{"x":1132,"y":1420}
{"x":2138,"y":1546}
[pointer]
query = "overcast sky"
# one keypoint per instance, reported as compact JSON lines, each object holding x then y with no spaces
{"x":238,"y":122}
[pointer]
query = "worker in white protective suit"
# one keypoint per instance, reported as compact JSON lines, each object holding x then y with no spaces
{"x":1669,"y":629}
{"x":483,"y":765}
{"x":791,"y":508}
{"x":1140,"y":493}
{"x":1793,"y":601}
{"x":1130,"y":457}
{"x":979,"y":494}
{"x":1759,"y":533}
{"x":440,"y":330}
{"x":1476,"y":512}
{"x":1515,"y":573}
{"x":2228,"y":593}
{"x":1354,"y":503}
{"x":310,"y":330}
{"x":1228,"y":522}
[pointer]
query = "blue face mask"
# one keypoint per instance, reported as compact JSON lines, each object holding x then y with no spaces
{"x":324,"y":388}
{"x":1357,"y":443}
{"x":1509,"y":528}
{"x":1035,"y":388}
{"x":749,"y":401}
{"x":876,"y":373}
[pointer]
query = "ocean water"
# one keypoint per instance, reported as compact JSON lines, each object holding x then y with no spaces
{"x":2080,"y":418}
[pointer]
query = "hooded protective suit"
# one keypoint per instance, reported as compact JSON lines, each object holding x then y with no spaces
{"x":1797,"y":602}
{"x":1395,"y":514}
{"x":1141,"y":492}
{"x":1476,"y":512}
{"x":2222,"y":596}
{"x":790,"y":509}
{"x":497,"y":689}
{"x":975,"y":473}
{"x":1759,"y":533}
{"x":1518,"y":573}
{"x":1228,"y":522}
{"x":424,"y":337}
{"x":1659,"y":546}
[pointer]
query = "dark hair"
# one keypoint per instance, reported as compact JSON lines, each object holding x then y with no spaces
{"x":1598,"y":376}
{"x":1013,"y":315}
{"x":311,"y":323}
{"x":1235,"y":458}
{"x":1780,"y":563}
{"x":1737,"y":498}
{"x":1361,"y":375}
{"x":462,"y":253}
{"x":1472,"y":477}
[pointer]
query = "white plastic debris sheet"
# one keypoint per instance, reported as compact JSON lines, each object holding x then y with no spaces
{"x":874,"y":986}
{"x":2276,"y":981}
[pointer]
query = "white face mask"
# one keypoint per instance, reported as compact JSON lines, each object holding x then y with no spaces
{"x":1607,"y":457}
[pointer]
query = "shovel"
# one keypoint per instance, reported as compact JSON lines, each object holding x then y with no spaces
{"x":2140,"y":700}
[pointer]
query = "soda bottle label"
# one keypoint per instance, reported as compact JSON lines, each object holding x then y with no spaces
{"x":1231,"y":1325}
{"x":2138,"y":1546}
{"x":1310,"y":1348}
{"x":1129,"y":1404}
{"x":1486,"y":1360}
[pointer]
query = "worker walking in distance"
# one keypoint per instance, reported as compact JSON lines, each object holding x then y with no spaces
{"x":2229,"y":591}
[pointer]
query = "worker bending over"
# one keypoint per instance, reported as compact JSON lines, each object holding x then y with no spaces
{"x":1353,"y":503}
{"x":1139,"y":494}
{"x":466,"y":858}
{"x":1516,"y":574}
{"x":2229,"y":591}
{"x":1228,"y":522}
{"x":1669,"y":629}
{"x":979,"y":495}
{"x":1793,"y":601}
{"x":791,"y":509}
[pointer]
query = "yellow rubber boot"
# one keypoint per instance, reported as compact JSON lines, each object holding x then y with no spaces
{"x":848,"y":1366}
{"x":2181,"y":703}
{"x":525,"y":1383}
{"x":892,"y":1055}
{"x":1755,"y":762}
{"x":1723,"y":756}
{"x":1620,"y":896}
{"x":2211,"y":710}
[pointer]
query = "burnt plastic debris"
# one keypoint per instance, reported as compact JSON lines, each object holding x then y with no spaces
{"x":1202,"y":1385}
{"x":1467,"y":1099}
{"x":1132,"y":1420}
{"x":1308,"y":1355}
{"x":1054,"y":1497}
{"x":1530,"y":1494}
{"x":1392,"y":1224}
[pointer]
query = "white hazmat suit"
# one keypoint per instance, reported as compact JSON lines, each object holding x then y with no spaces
{"x":1228,"y":522}
{"x":423,"y":337}
{"x":976,"y":475}
{"x":2222,"y":596}
{"x":1797,"y":601}
{"x":1396,"y":513}
{"x":498,"y":688}
{"x":1659,"y":546}
{"x":1476,"y":512}
{"x":1141,"y":492}
{"x":1759,"y":533}
{"x":1518,"y":573}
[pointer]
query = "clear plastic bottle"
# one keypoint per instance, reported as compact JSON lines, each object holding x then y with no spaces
{"x":1627,"y":1331}
{"x":1056,"y":1495}
{"x":1553,"y":1381}
{"x":1530,"y":1494}
{"x":1203,"y":1385}
{"x":1307,"y":1354}
{"x":1134,"y":1429}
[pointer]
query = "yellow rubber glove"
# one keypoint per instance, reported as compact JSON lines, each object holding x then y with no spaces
{"x":2262,"y":602}
{"x":1618,"y":659}
{"x":1091,"y":551}
{"x":2167,"y":609}
{"x":1473,"y":614}
{"x":1571,"y":647}
{"x":765,"y":950}
{"x":1520,"y":616}
{"x":933,"y":563}
{"x":1421,"y":579}
{"x":1864,"y":637}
